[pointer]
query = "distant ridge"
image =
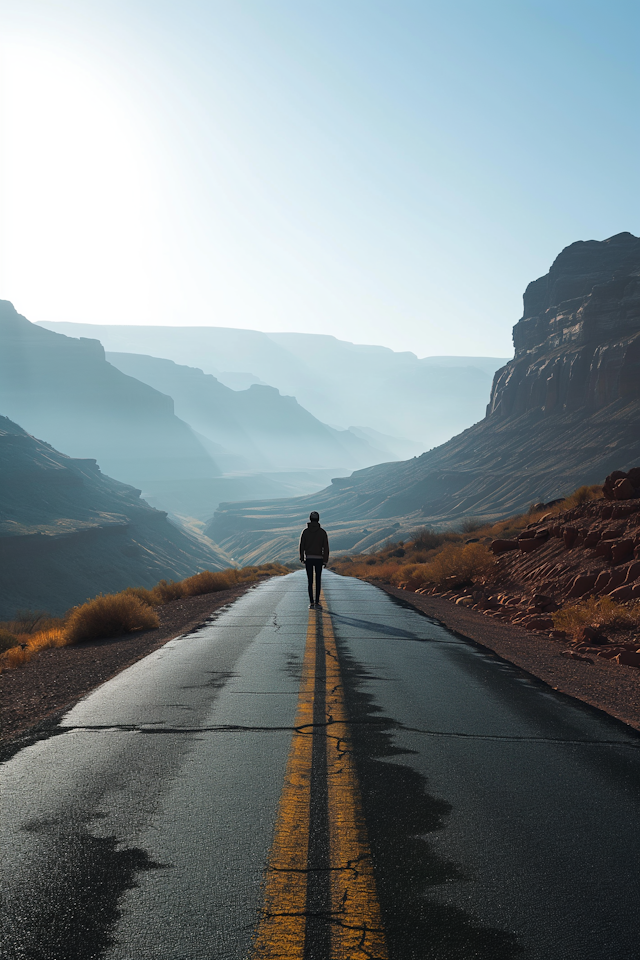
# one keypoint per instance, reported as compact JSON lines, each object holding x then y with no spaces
{"x":342,"y":384}
{"x":63,"y":390}
{"x":68,"y":532}
{"x":564,"y":411}
{"x":260,"y":428}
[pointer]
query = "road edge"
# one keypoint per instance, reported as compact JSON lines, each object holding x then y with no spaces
{"x":613,"y":689}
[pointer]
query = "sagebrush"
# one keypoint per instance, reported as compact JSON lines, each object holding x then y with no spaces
{"x":115,"y":614}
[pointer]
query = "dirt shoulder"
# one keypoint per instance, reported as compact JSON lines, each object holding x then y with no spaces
{"x":610,"y":687}
{"x":56,"y":679}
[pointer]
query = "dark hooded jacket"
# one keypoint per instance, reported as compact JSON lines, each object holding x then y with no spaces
{"x":314,"y":543}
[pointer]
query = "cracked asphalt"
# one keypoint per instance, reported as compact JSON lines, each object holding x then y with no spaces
{"x":352,"y":782}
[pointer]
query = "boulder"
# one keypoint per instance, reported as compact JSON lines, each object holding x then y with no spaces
{"x":603,"y":549}
{"x":623,"y":490}
{"x":625,"y":592}
{"x":602,"y":581}
{"x":592,"y":538}
{"x":634,"y":476}
{"x":582,"y":584}
{"x":621,"y":550}
{"x":569,"y":536}
{"x":616,"y":580}
{"x":502,"y":546}
{"x":529,"y":544}
{"x":592,"y":635}
{"x":539,"y":623}
{"x":633,"y":572}
{"x":629,"y":658}
{"x":609,"y":484}
{"x":542,"y":602}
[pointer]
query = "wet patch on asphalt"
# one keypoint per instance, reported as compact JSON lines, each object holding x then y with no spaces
{"x":69,"y":910}
{"x":400,"y":814}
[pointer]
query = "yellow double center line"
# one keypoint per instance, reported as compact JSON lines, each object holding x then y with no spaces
{"x":336,"y":902}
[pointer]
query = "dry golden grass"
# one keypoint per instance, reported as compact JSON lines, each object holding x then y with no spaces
{"x":601,"y":612}
{"x":26,"y":645}
{"x":109,"y":616}
{"x":462,"y":563}
{"x":435,"y":558}
{"x":114,"y":614}
{"x":147,"y":596}
{"x":7,"y":640}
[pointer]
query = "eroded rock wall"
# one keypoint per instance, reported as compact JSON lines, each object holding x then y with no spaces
{"x":578,"y":342}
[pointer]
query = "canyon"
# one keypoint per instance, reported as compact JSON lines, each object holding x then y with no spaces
{"x":563,"y":412}
{"x":67,"y":531}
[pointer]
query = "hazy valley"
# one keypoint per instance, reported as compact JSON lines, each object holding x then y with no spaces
{"x":238,"y":464}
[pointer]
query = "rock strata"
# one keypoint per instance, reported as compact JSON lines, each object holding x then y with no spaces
{"x":566,"y":563}
{"x":68,"y":531}
{"x":563,"y":412}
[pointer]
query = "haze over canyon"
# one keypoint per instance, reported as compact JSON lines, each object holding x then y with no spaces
{"x":237,"y":434}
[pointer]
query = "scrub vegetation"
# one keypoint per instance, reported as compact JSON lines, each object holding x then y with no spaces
{"x":603,"y":613}
{"x":451,"y":558}
{"x":461,"y":566}
{"x":114,"y":614}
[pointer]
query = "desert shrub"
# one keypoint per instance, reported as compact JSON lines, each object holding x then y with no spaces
{"x":20,"y":648}
{"x":426,"y":539}
{"x":580,"y":496}
{"x":143,"y":594}
{"x":167,"y":590}
{"x":601,"y":612}
{"x":387,"y":571}
{"x":15,"y":657}
{"x":109,"y":616}
{"x":7,"y":640}
{"x":469,"y":562}
{"x":471,"y":524}
{"x":210,"y":581}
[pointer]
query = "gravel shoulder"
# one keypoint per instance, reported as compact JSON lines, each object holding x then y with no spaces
{"x":612,"y":688}
{"x":56,"y":679}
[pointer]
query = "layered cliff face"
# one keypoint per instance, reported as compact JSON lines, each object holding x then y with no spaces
{"x":578,"y":343}
{"x":63,"y":390}
{"x":564,"y":411}
{"x":68,"y":532}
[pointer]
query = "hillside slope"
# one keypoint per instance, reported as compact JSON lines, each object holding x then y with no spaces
{"x":67,"y":531}
{"x":564,"y":411}
{"x":258,"y":426}
{"x":63,"y":389}
{"x":345,"y":384}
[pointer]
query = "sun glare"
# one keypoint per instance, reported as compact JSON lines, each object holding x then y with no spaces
{"x":74,"y":179}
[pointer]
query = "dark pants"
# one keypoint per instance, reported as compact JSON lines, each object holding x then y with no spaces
{"x":312,"y":565}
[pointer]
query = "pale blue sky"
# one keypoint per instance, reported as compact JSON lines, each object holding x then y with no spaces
{"x":387,"y":172}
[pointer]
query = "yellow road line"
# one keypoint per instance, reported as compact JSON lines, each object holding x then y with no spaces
{"x":358,"y":932}
{"x":356,"y":923}
{"x":281,"y":928}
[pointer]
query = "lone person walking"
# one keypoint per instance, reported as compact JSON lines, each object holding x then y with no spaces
{"x":314,"y":553}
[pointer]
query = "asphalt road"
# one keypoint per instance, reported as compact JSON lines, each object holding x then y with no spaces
{"x":346,"y":783}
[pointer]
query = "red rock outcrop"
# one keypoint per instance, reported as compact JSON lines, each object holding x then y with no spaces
{"x":564,"y":411}
{"x":578,"y":343}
